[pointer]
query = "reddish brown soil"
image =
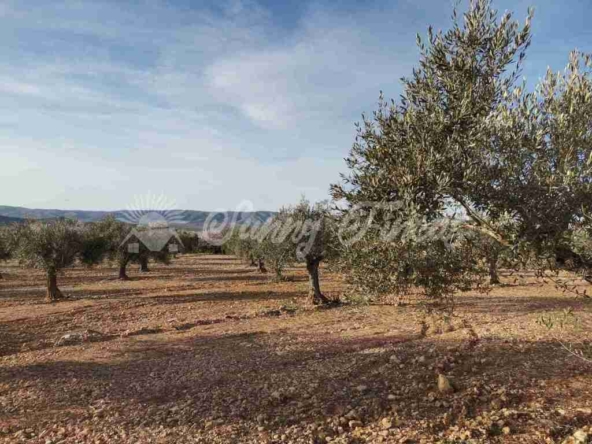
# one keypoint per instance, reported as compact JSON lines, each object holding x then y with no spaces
{"x":207,"y":350}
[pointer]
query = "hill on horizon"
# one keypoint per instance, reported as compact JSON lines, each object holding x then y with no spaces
{"x":5,"y":220}
{"x":192,"y":219}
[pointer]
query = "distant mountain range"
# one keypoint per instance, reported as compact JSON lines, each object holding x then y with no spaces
{"x":5,"y":220}
{"x":191,"y":220}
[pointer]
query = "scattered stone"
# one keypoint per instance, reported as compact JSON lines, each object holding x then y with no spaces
{"x":69,"y":339}
{"x":444,"y":384}
{"x":78,"y":337}
{"x":580,"y":437}
{"x":354,"y":424}
{"x":346,"y":409}
{"x":386,"y":423}
{"x":496,"y":404}
{"x":351,"y":414}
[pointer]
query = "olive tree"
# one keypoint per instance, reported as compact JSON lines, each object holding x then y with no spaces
{"x":245,"y":245}
{"x":581,"y":241}
{"x":465,"y":133}
{"x":288,"y":237}
{"x":404,"y":254}
{"x":314,"y":238}
{"x":491,"y":251}
{"x":301,"y":233}
{"x":143,"y":257}
{"x":53,"y":246}
{"x":145,"y":254}
{"x":110,"y":235}
{"x":432,"y":148}
{"x":190,"y":240}
{"x":274,"y":245}
{"x":6,"y":245}
{"x":113,"y":238}
{"x":541,"y":159}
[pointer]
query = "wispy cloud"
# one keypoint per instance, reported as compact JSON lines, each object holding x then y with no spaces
{"x":325,"y":65}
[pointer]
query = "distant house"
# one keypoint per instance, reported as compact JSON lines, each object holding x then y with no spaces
{"x":153,"y":239}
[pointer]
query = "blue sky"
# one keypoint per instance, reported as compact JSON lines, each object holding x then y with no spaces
{"x":211,"y":103}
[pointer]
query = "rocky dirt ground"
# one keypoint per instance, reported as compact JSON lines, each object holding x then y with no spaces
{"x":208,"y":351}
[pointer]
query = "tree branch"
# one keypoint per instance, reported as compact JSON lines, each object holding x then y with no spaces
{"x":483,"y":226}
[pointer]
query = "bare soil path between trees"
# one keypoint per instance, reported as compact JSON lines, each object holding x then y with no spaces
{"x":207,"y":350}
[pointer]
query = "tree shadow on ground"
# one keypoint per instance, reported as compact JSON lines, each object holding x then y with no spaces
{"x":516,"y":305}
{"x":36,"y":296}
{"x":252,"y":275}
{"x":192,"y":271}
{"x":183,"y":298}
{"x":242,"y":378}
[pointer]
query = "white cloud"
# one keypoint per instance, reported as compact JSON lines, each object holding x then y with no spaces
{"x":207,"y":108}
{"x":10,"y":86}
{"x":326,"y":64}
{"x":259,"y":85}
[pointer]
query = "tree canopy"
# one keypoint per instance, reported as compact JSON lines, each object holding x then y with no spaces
{"x":52,"y":246}
{"x":466,"y":134}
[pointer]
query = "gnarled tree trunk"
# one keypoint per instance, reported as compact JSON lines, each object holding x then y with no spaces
{"x":144,"y":265}
{"x":493,"y":276}
{"x":123,"y":270}
{"x":312,"y":266}
{"x":53,"y":292}
{"x":261,"y":266}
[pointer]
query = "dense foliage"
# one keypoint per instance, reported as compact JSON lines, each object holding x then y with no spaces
{"x":315,"y":240}
{"x":465,"y":134}
{"x":112,"y":238}
{"x":110,"y":235}
{"x":6,"y":244}
{"x":53,"y":246}
{"x":301,"y":233}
